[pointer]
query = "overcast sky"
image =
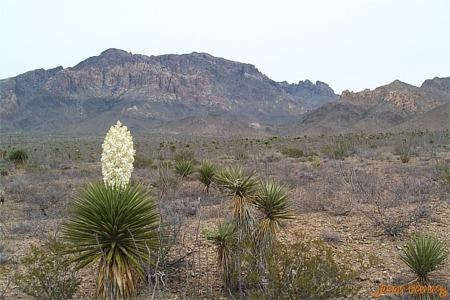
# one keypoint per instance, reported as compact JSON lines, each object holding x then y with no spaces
{"x":350,"y":44}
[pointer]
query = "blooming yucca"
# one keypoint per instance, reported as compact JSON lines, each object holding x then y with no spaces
{"x":117,"y":156}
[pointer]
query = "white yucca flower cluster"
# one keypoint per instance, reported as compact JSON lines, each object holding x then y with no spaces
{"x":117,"y":156}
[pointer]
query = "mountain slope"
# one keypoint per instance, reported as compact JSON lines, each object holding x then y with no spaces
{"x":381,"y":109}
{"x":149,"y":91}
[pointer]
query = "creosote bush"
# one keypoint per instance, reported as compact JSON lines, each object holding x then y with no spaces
{"x":442,"y":173}
{"x":292,"y":152}
{"x":338,"y":148}
{"x":48,"y":272}
{"x":403,"y":150}
{"x":18,"y":156}
{"x":3,"y":255}
{"x":142,"y":162}
{"x":307,"y":269}
{"x":184,"y":155}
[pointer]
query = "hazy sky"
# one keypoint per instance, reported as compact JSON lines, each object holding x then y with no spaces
{"x":350,"y":44}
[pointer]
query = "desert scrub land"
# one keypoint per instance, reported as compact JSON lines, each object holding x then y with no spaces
{"x":304,"y":217}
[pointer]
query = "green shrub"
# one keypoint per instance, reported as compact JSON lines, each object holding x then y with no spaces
{"x":142,"y":162}
{"x":292,"y":152}
{"x":424,"y":255}
{"x":3,"y":255}
{"x":308,"y":269}
{"x":206,"y":173}
{"x":117,"y":230}
{"x":242,"y":189}
{"x":338,"y":149}
{"x":273,"y":206}
{"x":443,"y":177}
{"x":315,"y":161}
{"x":224,"y":238}
{"x":184,"y":155}
{"x":184,"y":168}
{"x":47,"y":273}
{"x":165,"y":180}
{"x":18,"y":156}
{"x":403,"y":150}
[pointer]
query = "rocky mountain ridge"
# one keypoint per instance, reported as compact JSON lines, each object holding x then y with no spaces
{"x":384,"y":108}
{"x":153,"y":89}
{"x":191,"y":92}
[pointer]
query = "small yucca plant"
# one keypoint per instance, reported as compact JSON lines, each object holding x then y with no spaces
{"x":115,"y":229}
{"x":242,"y":189}
{"x":184,"y":168}
{"x":206,"y":173}
{"x":224,"y":238}
{"x":424,"y":255}
{"x":18,"y":156}
{"x":273,"y":206}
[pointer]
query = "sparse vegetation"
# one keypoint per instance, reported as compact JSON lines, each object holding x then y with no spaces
{"x":292,"y":152}
{"x":338,"y":149}
{"x":142,"y":162}
{"x":343,"y":210}
{"x":48,"y":273}
{"x":308,"y":269}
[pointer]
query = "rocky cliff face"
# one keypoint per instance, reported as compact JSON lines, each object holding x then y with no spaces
{"x":384,"y":108}
{"x":152,"y":89}
{"x":403,"y":97}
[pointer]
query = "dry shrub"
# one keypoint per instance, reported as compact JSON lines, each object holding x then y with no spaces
{"x":395,"y":204}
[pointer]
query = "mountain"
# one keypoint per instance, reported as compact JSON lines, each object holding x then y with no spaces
{"x":202,"y":94}
{"x":397,"y":105}
{"x":148,"y":92}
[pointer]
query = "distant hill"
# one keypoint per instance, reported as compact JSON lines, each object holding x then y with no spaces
{"x":389,"y":107}
{"x":148,"y":92}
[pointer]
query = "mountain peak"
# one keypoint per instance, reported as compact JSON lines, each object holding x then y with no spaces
{"x":107,"y":57}
{"x":397,"y":84}
{"x":114,"y":52}
{"x":440,"y":83}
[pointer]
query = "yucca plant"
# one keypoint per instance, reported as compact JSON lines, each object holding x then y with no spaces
{"x":424,"y":255}
{"x":206,"y":173}
{"x":242,"y":189}
{"x":184,"y":168}
{"x":18,"y":156}
{"x":224,"y":239}
{"x":115,"y":228}
{"x":273,"y":205}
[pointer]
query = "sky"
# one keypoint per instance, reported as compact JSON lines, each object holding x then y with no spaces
{"x":349,"y":44}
